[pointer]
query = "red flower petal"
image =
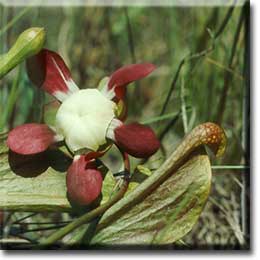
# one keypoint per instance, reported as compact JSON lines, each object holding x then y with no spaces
{"x":138,"y":140}
{"x":127,"y":74}
{"x":48,"y":70}
{"x":84,"y":181}
{"x":30,"y":138}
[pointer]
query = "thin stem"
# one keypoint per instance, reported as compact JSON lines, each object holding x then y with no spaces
{"x":237,"y":182}
{"x":228,"y":76}
{"x":164,"y":117}
{"x":40,"y":229}
{"x":168,"y":127}
{"x":23,"y":218}
{"x":225,"y":21}
{"x":113,"y":42}
{"x":172,"y":86}
{"x":11,"y":100}
{"x":42,"y":223}
{"x":211,"y":23}
{"x":229,"y":167}
{"x":130,"y":36}
{"x":218,"y":64}
{"x":163,"y":133}
{"x":131,"y":45}
{"x":14,"y":20}
{"x":183,"y":106}
{"x":189,"y":57}
{"x":195,"y":56}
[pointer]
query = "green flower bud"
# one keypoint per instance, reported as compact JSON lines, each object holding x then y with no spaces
{"x":28,"y":43}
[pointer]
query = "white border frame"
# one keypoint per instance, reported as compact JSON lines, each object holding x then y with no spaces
{"x":255,"y":144}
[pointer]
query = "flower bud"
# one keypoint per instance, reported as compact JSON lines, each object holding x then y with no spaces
{"x":28,"y":43}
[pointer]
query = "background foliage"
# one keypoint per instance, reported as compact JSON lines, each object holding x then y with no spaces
{"x":212,"y":86}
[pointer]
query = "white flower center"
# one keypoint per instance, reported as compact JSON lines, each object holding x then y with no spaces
{"x":83,"y":119}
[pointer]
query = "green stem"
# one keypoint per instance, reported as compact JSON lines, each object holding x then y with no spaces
{"x":11,"y":100}
{"x":131,"y":45}
{"x":183,"y":106}
{"x":230,"y":167}
{"x":228,"y":76}
{"x":25,"y":217}
{"x":40,"y":229}
{"x":197,"y":55}
{"x":14,"y":20}
{"x":164,"y":117}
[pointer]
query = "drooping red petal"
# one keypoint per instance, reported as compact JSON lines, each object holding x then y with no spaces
{"x":48,"y":71}
{"x":138,"y":140}
{"x":30,"y":138}
{"x":127,"y":74}
{"x":84,"y":181}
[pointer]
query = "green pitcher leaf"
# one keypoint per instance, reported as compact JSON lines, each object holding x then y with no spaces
{"x":167,"y":214}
